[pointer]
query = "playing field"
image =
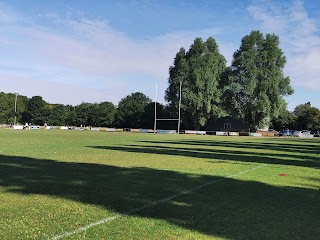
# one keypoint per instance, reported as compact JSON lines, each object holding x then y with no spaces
{"x":96,"y":185}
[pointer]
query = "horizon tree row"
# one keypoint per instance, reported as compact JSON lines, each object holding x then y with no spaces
{"x":134,"y":111}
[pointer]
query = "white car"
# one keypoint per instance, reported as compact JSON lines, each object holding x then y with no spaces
{"x":303,"y":133}
{"x":297,"y":133}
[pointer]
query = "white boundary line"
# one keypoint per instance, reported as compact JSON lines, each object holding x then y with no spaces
{"x":134,"y":210}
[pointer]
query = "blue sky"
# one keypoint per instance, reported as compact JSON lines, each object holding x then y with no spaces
{"x":73,"y":51}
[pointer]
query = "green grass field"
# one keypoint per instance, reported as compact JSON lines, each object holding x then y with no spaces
{"x":96,"y":185}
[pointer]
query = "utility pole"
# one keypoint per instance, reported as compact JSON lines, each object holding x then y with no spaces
{"x":15,"y":109}
{"x":179,"y":120}
{"x":155,"y":110}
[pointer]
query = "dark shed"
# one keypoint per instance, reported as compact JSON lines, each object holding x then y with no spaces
{"x":227,"y":124}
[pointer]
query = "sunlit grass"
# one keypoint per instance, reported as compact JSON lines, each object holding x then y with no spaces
{"x":53,"y":182}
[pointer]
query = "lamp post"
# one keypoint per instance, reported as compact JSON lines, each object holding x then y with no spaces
{"x":15,"y":109}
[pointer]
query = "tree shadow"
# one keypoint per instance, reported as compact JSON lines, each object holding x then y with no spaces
{"x":228,"y":208}
{"x":293,"y":147}
{"x":221,"y":155}
{"x":283,"y":150}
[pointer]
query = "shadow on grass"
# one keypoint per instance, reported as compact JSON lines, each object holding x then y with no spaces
{"x":295,"y":146}
{"x":228,"y":208}
{"x":221,"y":155}
{"x":285,"y":154}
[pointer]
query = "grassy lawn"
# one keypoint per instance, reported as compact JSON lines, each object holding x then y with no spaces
{"x":147,"y":186}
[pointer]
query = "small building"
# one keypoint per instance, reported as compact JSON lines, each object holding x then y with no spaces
{"x":227,"y":124}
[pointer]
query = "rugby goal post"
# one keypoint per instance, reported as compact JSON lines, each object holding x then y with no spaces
{"x":167,"y":119}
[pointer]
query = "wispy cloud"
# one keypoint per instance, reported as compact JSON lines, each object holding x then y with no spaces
{"x":299,"y":37}
{"x":7,"y":15}
{"x":90,"y":54}
{"x":97,"y":48}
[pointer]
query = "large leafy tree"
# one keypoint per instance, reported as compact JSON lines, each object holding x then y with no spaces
{"x":70,"y":115}
{"x":107,"y":114}
{"x":59,"y":114}
{"x":255,"y":83}
{"x":199,"y":70}
{"x":130,"y":110}
{"x":100,"y":114}
{"x":284,"y":120}
{"x":35,"y":111}
{"x":54,"y":114}
{"x":83,"y":114}
{"x":307,"y":117}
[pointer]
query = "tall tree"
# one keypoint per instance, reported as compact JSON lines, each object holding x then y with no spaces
{"x":100,"y":114}
{"x":284,"y":120}
{"x":130,"y":110}
{"x":35,"y":111}
{"x":56,"y":114}
{"x":107,"y":114}
{"x":199,"y":70}
{"x":255,"y":83}
{"x":307,"y":117}
{"x":83,"y":112}
{"x":70,"y":115}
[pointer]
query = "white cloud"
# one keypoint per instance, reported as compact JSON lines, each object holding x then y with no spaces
{"x":299,"y":37}
{"x":88,"y":54}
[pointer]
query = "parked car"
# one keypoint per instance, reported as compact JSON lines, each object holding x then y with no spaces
{"x":303,"y":133}
{"x":306,"y":132}
{"x":297,"y":133}
{"x":285,"y":133}
{"x":273,"y":133}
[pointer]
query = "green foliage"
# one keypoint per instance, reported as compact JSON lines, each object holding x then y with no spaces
{"x":57,"y":114}
{"x":83,"y":112}
{"x":307,"y":117}
{"x":254,"y":85}
{"x":107,"y":113}
{"x":199,"y":70}
{"x":7,"y":112}
{"x":130,"y":110}
{"x":97,"y":114}
{"x":35,"y":111}
{"x":285,"y":120}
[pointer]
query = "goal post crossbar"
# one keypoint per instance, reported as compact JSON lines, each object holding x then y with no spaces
{"x":168,"y":119}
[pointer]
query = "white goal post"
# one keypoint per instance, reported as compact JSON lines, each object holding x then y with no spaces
{"x":167,"y":119}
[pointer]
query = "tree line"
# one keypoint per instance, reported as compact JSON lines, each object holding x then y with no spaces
{"x":251,"y":89}
{"x":133,"y":111}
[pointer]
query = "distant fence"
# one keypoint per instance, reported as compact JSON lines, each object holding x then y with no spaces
{"x":162,"y":131}
{"x":158,"y":131}
{"x":195,"y":132}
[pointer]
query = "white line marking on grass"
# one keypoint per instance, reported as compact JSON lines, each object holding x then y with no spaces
{"x":134,"y":210}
